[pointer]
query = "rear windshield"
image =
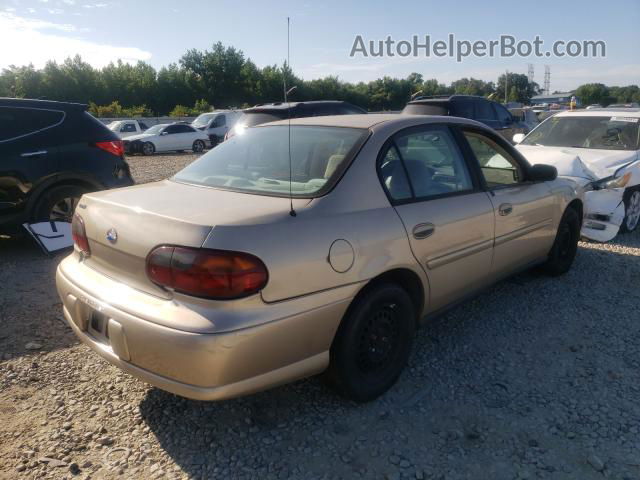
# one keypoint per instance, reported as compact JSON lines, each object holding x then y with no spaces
{"x":257,"y":160}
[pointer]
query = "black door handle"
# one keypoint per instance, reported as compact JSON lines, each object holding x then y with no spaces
{"x":505,"y":209}
{"x":423,"y":230}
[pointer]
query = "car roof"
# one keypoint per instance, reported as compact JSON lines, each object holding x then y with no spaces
{"x":370,"y":120}
{"x":442,"y":98}
{"x":263,"y":107}
{"x":44,"y":104}
{"x":601,"y":112}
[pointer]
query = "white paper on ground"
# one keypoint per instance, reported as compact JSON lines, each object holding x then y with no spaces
{"x":51,"y":236}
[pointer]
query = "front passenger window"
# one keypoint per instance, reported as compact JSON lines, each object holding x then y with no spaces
{"x":498,"y":167}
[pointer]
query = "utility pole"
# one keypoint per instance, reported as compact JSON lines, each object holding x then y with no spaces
{"x":506,"y":86}
{"x":530,"y":73}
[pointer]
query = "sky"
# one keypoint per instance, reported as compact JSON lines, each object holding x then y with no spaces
{"x":323,"y":34}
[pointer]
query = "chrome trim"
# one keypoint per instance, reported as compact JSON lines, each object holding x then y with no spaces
{"x":34,"y":154}
{"x":521,"y":232}
{"x":64,"y":115}
{"x":458,"y":254}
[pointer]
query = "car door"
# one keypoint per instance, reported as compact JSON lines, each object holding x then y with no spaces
{"x":219,"y":126}
{"x":169,"y":138}
{"x":524,"y":210}
{"x":28,"y":153}
{"x":448,"y":218}
{"x":187,"y":135}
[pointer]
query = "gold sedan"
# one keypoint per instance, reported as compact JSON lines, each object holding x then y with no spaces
{"x":319,"y":246}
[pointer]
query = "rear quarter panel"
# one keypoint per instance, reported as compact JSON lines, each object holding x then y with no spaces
{"x":296,"y":249}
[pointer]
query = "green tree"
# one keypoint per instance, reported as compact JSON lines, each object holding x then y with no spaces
{"x":524,"y":89}
{"x":591,"y":93}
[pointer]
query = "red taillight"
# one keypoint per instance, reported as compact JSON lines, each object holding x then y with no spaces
{"x":80,"y":235}
{"x":216,"y":274}
{"x":115,"y":147}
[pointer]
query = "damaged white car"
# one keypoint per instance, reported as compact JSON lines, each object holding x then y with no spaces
{"x":599,"y":150}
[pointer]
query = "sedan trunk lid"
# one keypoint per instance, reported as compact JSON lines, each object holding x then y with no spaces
{"x":124,"y":225}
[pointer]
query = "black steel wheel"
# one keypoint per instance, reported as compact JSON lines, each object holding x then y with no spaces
{"x":372,"y":345}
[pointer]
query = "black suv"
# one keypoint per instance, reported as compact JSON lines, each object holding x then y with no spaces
{"x":50,"y":154}
{"x":271,"y":112}
{"x":484,"y":111}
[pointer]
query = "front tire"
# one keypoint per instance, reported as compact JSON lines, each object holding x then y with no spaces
{"x":373,"y":343}
{"x":565,"y":246}
{"x":198,"y":146}
{"x":148,"y":148}
{"x":631,"y":200}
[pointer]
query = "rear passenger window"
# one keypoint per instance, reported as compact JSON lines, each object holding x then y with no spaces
{"x":393,"y":176}
{"x":18,"y":122}
{"x":432,"y":161}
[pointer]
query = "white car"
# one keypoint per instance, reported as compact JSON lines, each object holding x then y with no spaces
{"x":600,"y":150}
{"x":166,"y":138}
{"x":216,"y":124}
{"x":127,"y":128}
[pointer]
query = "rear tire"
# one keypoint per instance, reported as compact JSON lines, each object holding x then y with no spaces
{"x":148,"y":148}
{"x":631,"y":200}
{"x":58,"y":203}
{"x":198,"y":146}
{"x":373,"y":343}
{"x":565,"y":246}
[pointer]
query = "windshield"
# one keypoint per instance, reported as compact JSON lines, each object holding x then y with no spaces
{"x":155,"y":129}
{"x":203,"y":119}
{"x":603,"y":133}
{"x":258,"y":160}
{"x":113,"y":125}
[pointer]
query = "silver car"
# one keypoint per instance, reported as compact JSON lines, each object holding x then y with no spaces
{"x":318,"y":246}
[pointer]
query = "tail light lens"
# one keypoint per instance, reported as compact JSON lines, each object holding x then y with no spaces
{"x":215,"y":274}
{"x":115,"y":147}
{"x":80,"y":235}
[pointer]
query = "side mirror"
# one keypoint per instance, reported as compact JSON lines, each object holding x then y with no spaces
{"x":542,"y":173}
{"x":164,"y":133}
{"x":518,"y":137}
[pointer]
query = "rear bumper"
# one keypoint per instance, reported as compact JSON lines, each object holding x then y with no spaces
{"x":202,"y":366}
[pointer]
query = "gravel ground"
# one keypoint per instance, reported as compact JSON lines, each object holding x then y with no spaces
{"x":535,"y":378}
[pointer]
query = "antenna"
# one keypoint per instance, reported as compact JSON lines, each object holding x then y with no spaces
{"x":292,"y":212}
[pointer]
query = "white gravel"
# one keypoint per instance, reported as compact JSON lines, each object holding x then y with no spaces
{"x":535,"y":378}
